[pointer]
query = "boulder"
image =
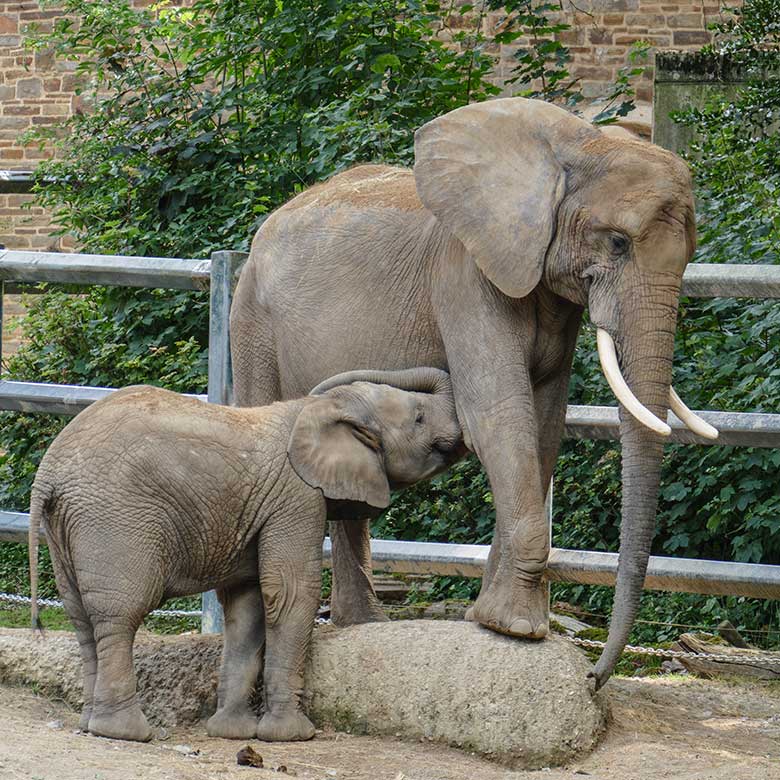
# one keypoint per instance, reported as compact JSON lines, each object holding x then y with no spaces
{"x":527,"y":704}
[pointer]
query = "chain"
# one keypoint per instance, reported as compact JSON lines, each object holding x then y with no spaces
{"x":773,"y":662}
{"x":14,"y":599}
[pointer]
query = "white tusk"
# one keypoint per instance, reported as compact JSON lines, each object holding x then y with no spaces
{"x":611,"y":369}
{"x":693,"y":421}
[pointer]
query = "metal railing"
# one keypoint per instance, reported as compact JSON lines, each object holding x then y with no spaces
{"x":16,"y":182}
{"x":583,"y":422}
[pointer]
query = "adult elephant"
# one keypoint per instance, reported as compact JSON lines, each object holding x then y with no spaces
{"x":481,"y":261}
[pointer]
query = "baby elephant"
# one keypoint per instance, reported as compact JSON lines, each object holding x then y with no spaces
{"x":147,"y":495}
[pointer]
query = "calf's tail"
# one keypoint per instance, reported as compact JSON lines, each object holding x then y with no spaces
{"x":37,"y":515}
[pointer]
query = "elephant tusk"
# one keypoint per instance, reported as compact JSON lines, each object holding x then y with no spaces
{"x":693,"y":421}
{"x":611,"y":369}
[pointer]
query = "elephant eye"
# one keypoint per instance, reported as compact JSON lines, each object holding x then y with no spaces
{"x":419,"y":418}
{"x":618,"y":243}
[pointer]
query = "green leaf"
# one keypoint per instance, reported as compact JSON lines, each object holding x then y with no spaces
{"x":385,"y":61}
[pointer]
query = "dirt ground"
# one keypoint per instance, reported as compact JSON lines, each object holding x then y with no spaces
{"x":661,"y":728}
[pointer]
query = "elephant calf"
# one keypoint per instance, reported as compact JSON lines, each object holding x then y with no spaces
{"x":148,"y":495}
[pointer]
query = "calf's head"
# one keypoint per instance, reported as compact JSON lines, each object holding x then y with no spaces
{"x":365,"y":433}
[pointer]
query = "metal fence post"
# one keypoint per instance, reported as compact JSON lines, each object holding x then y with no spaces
{"x":2,"y":295}
{"x":225,"y":267}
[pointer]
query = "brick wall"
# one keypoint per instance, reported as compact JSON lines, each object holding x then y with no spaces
{"x":604,"y":30}
{"x":36,"y":90}
{"x":12,"y":312}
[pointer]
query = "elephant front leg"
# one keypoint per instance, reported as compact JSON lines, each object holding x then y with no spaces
{"x":290,"y":580}
{"x":521,"y":546}
{"x":353,"y":598}
{"x":500,"y":414}
{"x":242,"y":653}
{"x":515,"y":600}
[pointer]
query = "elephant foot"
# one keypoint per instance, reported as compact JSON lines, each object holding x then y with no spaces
{"x":286,"y":727}
{"x":522,"y":609}
{"x":128,"y":723}
{"x":86,"y":714}
{"x":356,"y":608}
{"x":232,"y":724}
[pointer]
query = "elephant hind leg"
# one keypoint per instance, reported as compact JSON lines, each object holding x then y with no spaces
{"x":115,"y":711}
{"x":253,"y":352}
{"x":353,"y":598}
{"x":117,"y":608}
{"x":242,"y":654}
{"x":85,"y":636}
{"x":82,"y":625}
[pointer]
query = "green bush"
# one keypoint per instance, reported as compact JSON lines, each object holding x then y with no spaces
{"x":205,"y":118}
{"x":200,"y":121}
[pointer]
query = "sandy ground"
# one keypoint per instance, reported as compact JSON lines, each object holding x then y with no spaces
{"x":661,"y":728}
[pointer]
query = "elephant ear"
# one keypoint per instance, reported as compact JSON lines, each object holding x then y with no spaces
{"x":332,"y":450}
{"x":493,"y":174}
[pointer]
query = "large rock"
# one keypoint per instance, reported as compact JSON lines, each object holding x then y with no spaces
{"x":177,"y":675}
{"x":526,"y":704}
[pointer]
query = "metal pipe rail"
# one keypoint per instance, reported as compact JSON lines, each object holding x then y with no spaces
{"x":14,"y":527}
{"x":582,"y":422}
{"x":701,"y":280}
{"x":738,"y":429}
{"x":168,"y":272}
{"x":688,"y":575}
{"x":44,"y":398}
{"x":720,"y":280}
{"x":15,"y":182}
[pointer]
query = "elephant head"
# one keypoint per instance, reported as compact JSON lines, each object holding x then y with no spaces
{"x":602,"y":221}
{"x":367,"y":432}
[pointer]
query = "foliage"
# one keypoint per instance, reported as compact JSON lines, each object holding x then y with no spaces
{"x":543,"y":61}
{"x":716,"y":502}
{"x":107,"y":337}
{"x":734,"y":352}
{"x":205,"y":118}
{"x":14,"y":577}
{"x":196,"y":123}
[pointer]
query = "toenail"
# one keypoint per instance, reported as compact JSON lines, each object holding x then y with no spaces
{"x":522,"y":627}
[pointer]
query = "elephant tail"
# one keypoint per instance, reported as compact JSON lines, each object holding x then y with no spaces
{"x":38,"y":504}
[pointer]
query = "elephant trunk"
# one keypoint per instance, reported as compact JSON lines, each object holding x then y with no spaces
{"x":420,"y":380}
{"x":646,"y":358}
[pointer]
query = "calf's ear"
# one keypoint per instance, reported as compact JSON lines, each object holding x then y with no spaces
{"x":330,"y":449}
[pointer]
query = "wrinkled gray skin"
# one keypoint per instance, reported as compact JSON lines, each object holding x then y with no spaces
{"x":517,"y":216}
{"x":148,"y":495}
